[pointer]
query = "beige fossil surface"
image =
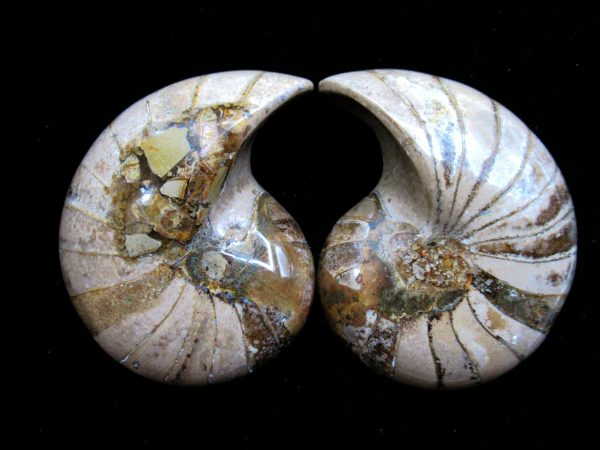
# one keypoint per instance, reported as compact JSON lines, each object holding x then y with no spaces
{"x":453,"y":269}
{"x":181,"y":265}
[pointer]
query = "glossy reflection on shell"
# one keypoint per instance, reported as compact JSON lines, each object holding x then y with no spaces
{"x":184,"y":269}
{"x":452,"y":270}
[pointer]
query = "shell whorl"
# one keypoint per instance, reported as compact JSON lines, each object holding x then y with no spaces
{"x":184,"y":269}
{"x":452,"y":270}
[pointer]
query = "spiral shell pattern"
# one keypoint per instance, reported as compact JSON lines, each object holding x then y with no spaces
{"x":453,"y":269}
{"x":184,"y":269}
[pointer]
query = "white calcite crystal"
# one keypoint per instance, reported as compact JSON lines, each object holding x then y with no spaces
{"x":475,"y":287}
{"x":131,"y":169}
{"x":165,"y":149}
{"x":140,"y":244}
{"x":174,"y":188}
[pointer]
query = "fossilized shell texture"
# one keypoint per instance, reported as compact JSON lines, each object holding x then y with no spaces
{"x":184,"y":269}
{"x":452,"y":270}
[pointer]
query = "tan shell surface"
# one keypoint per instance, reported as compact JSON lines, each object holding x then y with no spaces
{"x":183,"y":268}
{"x":452,"y":270}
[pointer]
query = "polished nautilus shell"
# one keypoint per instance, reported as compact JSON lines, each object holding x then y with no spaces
{"x":452,"y":270}
{"x":184,"y":269}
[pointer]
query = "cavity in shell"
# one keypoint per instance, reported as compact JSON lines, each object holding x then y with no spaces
{"x":453,"y":269}
{"x":183,"y":268}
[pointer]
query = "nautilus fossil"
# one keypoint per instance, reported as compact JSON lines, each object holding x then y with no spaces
{"x":453,"y":269}
{"x":184,"y":269}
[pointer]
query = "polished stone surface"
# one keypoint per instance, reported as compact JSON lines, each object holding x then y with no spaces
{"x":183,"y":268}
{"x":452,"y":270}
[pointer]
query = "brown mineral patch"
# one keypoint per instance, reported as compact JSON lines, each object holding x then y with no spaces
{"x":216,"y":183}
{"x":376,"y":279}
{"x":143,"y":201}
{"x":495,"y":320}
{"x":273,"y":271}
{"x":411,"y":277}
{"x":173,"y":223}
{"x":262,"y":342}
{"x":379,"y":351}
{"x":340,"y":304}
{"x":199,"y":184}
{"x":537,"y":311}
{"x":290,"y":294}
{"x":281,"y":220}
{"x":367,"y":210}
{"x":268,"y":290}
{"x":557,"y":200}
{"x":344,"y":306}
{"x":341,"y":257}
{"x":555,"y":279}
{"x":103,"y":307}
{"x":344,"y":232}
{"x":151,"y":209}
{"x":434,"y":263}
{"x":130,"y":168}
{"x":559,"y":242}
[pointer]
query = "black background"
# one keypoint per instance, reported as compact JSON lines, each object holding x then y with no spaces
{"x":69,"y":70}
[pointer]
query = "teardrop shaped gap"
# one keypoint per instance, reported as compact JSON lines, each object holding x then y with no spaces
{"x":318,"y":160}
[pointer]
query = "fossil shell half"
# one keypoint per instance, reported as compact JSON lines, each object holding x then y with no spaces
{"x":452,"y":270}
{"x":183,"y":268}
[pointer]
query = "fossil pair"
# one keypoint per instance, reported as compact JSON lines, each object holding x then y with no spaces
{"x":447,"y":275}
